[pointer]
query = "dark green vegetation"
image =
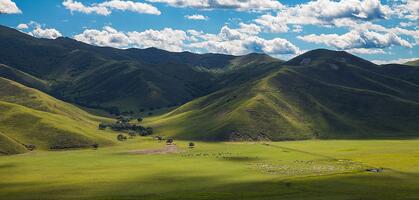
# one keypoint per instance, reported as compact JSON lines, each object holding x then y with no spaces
{"x":22,"y":77}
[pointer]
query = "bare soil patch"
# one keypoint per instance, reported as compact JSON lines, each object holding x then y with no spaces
{"x":165,"y":150}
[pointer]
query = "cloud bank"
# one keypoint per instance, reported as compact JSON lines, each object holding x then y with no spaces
{"x":106,"y":7}
{"x":238,"y":41}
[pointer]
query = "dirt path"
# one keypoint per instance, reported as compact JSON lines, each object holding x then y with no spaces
{"x":166,"y":150}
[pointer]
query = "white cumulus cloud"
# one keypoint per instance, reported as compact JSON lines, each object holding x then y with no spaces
{"x":239,"y":41}
{"x":355,"y":39}
{"x":168,"y":39}
{"x":408,"y":9}
{"x":38,"y":30}
{"x":242,"y":40}
{"x":48,"y":33}
{"x":108,"y":36}
{"x":196,"y":17}
{"x":366,"y":51}
{"x":9,"y":7}
{"x":324,"y":13}
{"x":22,"y":26}
{"x":106,"y":7}
{"x":396,"y":61}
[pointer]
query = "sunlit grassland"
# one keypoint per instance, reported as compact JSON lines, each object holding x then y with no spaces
{"x":333,"y":169}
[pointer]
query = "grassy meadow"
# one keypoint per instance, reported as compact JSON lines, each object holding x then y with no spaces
{"x":330,"y":169}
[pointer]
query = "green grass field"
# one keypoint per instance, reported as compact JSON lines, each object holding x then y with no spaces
{"x":331,"y":169}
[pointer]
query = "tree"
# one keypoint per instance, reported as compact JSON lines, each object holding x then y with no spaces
{"x":121,"y":137}
{"x":169,"y":141}
{"x":95,"y":146}
{"x":191,"y":145}
{"x":102,"y":126}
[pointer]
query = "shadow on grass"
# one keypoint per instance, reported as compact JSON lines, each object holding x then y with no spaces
{"x":8,"y":165}
{"x":186,"y":186}
{"x":239,"y":158}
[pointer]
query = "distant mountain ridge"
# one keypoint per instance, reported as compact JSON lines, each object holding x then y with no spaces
{"x":131,"y":79}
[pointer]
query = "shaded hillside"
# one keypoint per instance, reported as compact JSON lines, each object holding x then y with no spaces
{"x":22,"y":77}
{"x":132,"y":79}
{"x":403,"y":72}
{"x":29,"y":116}
{"x":320,"y":94}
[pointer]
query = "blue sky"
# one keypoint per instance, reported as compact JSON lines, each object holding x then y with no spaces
{"x":383,"y":31}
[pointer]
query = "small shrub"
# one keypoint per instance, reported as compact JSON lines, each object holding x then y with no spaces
{"x":191,"y":145}
{"x":169,"y":141}
{"x":121,"y":137}
{"x":31,"y":147}
{"x":102,"y":126}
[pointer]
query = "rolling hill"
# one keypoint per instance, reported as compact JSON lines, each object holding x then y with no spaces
{"x":127,"y":80}
{"x":29,"y":116}
{"x":320,"y":94}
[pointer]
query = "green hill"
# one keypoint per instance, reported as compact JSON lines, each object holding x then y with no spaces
{"x":128,"y":80}
{"x":320,"y":94}
{"x":29,"y":116}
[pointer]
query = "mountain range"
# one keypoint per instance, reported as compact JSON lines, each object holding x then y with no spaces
{"x":319,"y":94}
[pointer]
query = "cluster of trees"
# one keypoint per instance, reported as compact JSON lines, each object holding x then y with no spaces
{"x":125,"y":126}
